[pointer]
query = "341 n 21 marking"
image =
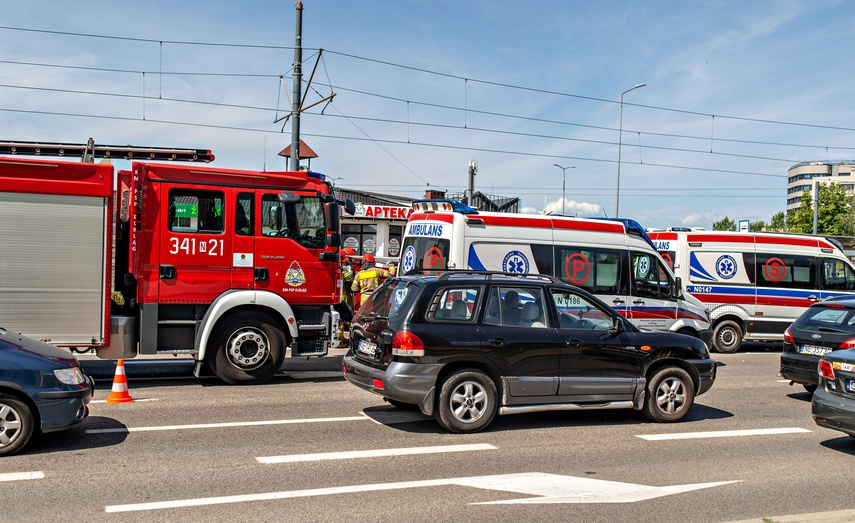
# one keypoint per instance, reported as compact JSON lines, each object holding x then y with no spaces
{"x":211,"y":247}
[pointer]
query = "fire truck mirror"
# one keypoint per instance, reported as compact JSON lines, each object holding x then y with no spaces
{"x":349,"y":207}
{"x":334,"y":240}
{"x":333,"y":217}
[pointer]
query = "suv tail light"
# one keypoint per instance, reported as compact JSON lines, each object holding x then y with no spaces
{"x":788,"y":336}
{"x":848,"y":344}
{"x":405,"y":343}
{"x":826,"y":370}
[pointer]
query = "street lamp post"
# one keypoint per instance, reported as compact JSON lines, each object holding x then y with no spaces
{"x":620,"y":135}
{"x":563,"y":184}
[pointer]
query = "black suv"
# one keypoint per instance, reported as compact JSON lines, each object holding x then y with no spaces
{"x":464,"y":345}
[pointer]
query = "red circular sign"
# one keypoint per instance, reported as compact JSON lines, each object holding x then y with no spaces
{"x":433,"y":259}
{"x":577,"y":269}
{"x":667,"y":258}
{"x":775,"y":269}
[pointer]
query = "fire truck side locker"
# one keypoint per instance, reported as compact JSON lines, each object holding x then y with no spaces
{"x":55,"y":251}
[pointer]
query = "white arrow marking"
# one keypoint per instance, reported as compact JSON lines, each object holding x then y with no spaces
{"x":376,"y":453}
{"x":549,"y":488}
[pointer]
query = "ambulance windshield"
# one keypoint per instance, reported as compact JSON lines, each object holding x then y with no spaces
{"x":424,"y":253}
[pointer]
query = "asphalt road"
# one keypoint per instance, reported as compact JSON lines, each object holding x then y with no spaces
{"x":310,"y":447}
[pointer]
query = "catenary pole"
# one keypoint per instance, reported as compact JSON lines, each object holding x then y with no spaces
{"x":298,"y":75}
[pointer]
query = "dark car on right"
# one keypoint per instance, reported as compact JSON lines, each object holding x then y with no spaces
{"x":824,"y":327}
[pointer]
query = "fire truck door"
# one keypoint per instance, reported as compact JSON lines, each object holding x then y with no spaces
{"x":292,"y":235}
{"x":195,"y":253}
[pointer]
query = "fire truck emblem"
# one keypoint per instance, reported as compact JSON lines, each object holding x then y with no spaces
{"x":295,"y":276}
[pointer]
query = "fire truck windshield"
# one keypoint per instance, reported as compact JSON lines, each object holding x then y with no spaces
{"x":302,"y":221}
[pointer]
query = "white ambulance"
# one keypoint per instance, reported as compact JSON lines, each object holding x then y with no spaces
{"x":755,"y":284}
{"x":614,"y":261}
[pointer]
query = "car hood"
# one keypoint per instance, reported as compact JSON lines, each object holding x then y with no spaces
{"x":11,"y":341}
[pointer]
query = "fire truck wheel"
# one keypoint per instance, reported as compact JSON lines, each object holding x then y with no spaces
{"x":246,"y":348}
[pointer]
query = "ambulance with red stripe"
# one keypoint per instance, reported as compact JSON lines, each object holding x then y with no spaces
{"x":755,"y":284}
{"x":613,"y":260}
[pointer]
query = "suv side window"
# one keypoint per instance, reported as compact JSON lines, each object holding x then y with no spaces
{"x":455,"y":304}
{"x":577,"y":312}
{"x":515,"y":307}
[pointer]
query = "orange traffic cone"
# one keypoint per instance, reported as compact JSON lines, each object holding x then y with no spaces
{"x":119,"y":394}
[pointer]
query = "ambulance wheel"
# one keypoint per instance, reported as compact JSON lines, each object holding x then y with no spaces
{"x":727,"y":337}
{"x":246,"y":348}
{"x":16,"y":424}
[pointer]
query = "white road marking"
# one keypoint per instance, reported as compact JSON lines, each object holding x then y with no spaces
{"x":544,"y":488}
{"x":295,"y":458}
{"x":391,"y":417}
{"x":21,"y":476}
{"x":312,"y":374}
{"x":721,"y":434}
{"x":223,"y":425}
{"x":135,"y":400}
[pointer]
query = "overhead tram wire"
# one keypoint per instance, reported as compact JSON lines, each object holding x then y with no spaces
{"x":386,"y":120}
{"x":550,"y":157}
{"x":425,"y":71}
{"x":429,"y":104}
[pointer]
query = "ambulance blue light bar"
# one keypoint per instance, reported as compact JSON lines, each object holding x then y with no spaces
{"x":443,"y":205}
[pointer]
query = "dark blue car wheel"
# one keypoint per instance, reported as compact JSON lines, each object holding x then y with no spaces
{"x":16,"y":424}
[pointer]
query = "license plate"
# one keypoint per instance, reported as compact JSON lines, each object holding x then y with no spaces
{"x":850,"y":385}
{"x":367,"y":348}
{"x":814,"y":350}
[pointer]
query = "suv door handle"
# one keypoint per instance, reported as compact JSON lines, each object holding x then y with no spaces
{"x":574,"y":343}
{"x":618,"y":301}
{"x":498,"y":342}
{"x":812,"y":298}
{"x":638,"y":302}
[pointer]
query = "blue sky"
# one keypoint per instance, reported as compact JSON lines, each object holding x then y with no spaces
{"x":737,"y":92}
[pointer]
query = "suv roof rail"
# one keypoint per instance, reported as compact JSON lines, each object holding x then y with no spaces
{"x":448,"y":273}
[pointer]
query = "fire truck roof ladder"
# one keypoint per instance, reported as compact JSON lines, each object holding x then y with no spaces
{"x":89,"y":151}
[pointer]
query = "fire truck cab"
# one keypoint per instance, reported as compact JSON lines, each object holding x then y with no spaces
{"x":234,"y":267}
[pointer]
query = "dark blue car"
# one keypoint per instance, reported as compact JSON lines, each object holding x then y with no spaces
{"x":42,"y":388}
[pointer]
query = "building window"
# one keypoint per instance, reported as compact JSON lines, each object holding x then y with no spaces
{"x":360,"y":238}
{"x":394,"y":246}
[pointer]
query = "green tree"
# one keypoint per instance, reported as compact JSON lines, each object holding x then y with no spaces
{"x":779,"y":222}
{"x":725,"y":224}
{"x":847,"y":219}
{"x":757,"y":226}
{"x":833,"y":205}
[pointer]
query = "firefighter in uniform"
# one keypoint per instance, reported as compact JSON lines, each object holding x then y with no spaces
{"x":368,"y":278}
{"x":345,"y":306}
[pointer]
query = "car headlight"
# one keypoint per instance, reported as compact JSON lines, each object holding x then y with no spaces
{"x":70,"y":375}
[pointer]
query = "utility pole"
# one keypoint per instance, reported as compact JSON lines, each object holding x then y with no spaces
{"x":473,"y":170}
{"x":298,"y":76}
{"x":815,"y":206}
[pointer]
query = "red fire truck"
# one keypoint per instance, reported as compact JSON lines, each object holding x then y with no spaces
{"x":234,"y":267}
